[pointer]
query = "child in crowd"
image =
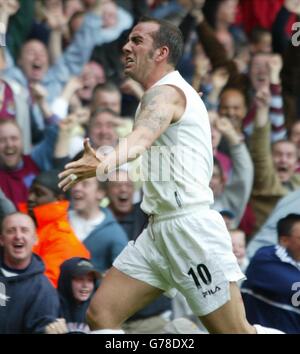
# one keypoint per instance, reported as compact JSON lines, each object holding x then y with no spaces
{"x":239,"y":248}
{"x":76,"y":285}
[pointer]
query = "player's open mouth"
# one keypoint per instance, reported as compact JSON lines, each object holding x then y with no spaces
{"x":129,"y":61}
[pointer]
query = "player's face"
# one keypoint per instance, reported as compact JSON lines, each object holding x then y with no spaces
{"x":139,"y":51}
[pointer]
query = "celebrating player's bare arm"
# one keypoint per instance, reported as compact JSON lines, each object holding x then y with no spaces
{"x":160,"y":106}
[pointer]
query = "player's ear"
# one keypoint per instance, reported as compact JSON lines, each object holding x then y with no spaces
{"x":163,"y":53}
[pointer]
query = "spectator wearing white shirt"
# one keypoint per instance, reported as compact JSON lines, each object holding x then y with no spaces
{"x":94,"y":226}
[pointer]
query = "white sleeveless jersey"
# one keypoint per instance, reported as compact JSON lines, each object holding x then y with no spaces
{"x":177,"y":169}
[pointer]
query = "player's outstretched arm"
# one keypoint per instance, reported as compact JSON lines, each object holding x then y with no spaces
{"x":81,"y":169}
{"x":159,"y":107}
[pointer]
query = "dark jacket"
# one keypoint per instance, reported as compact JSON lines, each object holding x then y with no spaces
{"x":134,"y":222}
{"x":271,"y":291}
{"x":105,"y":242}
{"x":31,"y":301}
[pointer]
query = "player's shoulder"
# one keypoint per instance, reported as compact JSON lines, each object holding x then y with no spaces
{"x":164,"y":94}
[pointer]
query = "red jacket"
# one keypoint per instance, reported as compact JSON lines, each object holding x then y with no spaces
{"x":16,"y":183}
{"x":56,"y":239}
{"x":258,"y":13}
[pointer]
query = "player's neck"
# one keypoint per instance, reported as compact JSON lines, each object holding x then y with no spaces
{"x":156,"y":76}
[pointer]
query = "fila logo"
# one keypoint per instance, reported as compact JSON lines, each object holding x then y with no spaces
{"x":211,"y":292}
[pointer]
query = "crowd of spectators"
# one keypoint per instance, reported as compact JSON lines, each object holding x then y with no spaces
{"x":61,"y":80}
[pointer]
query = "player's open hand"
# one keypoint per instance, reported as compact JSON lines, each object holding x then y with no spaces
{"x":81,"y":169}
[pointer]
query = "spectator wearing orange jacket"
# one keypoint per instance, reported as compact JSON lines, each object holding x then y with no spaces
{"x":56,"y":239}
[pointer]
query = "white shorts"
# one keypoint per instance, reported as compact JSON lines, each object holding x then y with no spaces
{"x":189,"y":251}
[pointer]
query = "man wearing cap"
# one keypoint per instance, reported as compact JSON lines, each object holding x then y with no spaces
{"x":56,"y":239}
